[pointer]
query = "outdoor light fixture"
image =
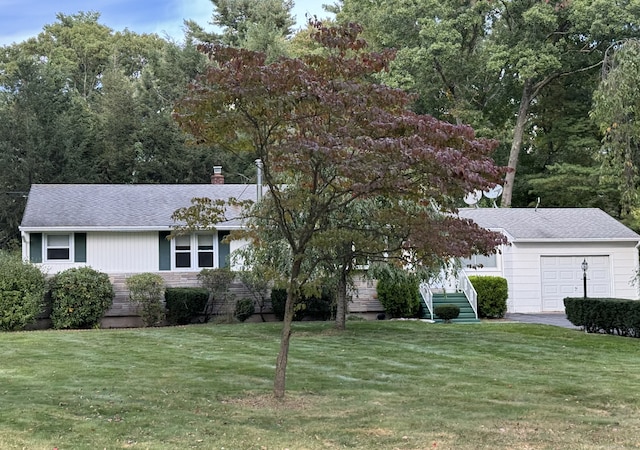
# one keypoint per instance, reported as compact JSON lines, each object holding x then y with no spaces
{"x":585,"y":266}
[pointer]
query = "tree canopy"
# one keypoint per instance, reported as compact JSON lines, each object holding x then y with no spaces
{"x":329,"y":137}
{"x":488,"y":62}
{"x":81,"y":103}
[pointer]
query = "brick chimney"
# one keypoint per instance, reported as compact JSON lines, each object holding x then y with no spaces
{"x":217,"y":177}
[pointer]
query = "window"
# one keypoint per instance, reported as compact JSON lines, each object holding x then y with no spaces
{"x":183,"y":251}
{"x":194,"y":251}
{"x":58,"y":247}
{"x":481,"y":261}
{"x":205,"y":250}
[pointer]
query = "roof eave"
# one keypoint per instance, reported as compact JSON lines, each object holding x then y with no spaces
{"x":562,"y":240}
{"x":121,"y":229}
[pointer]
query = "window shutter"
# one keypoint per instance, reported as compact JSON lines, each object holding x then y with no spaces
{"x":35,"y":247}
{"x":80,"y":247}
{"x":164,"y":249}
{"x":223,"y":250}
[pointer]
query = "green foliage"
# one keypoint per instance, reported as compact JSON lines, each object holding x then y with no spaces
{"x":185,"y":304}
{"x":146,"y":290}
{"x":447,"y":312}
{"x":278,"y":300}
{"x":398,"y":290}
{"x":310,"y":307}
{"x":244,"y":309}
{"x":492,"y":295}
{"x":84,"y":104}
{"x":567,"y":185}
{"x":217,"y":282}
{"x":616,"y":104}
{"x":258,"y":286}
{"x":605,"y":315}
{"x":22,"y":289}
{"x":80,"y":298}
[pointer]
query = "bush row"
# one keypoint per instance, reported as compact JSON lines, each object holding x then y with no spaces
{"x":78,"y":297}
{"x":604,"y":315}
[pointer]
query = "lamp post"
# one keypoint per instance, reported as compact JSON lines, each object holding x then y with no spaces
{"x":585,"y":266}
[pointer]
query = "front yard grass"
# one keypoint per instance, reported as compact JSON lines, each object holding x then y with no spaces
{"x":379,"y":385}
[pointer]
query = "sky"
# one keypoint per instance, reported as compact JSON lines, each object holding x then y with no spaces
{"x":22,"y":19}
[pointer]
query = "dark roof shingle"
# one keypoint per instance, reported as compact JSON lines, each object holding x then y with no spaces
{"x":135,"y":206}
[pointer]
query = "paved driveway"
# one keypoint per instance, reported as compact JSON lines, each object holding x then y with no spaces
{"x":557,"y":319}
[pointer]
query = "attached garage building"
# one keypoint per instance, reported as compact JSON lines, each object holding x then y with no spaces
{"x":543,"y":264}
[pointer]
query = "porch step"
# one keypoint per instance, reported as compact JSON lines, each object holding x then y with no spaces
{"x":454,"y":298}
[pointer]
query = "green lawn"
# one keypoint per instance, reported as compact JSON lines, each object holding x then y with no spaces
{"x":379,"y":385}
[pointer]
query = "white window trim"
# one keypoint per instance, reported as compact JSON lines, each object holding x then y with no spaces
{"x":483,"y":268}
{"x":194,"y":252}
{"x":45,"y":247}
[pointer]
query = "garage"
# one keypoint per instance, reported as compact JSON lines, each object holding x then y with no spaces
{"x":562,"y":276}
{"x":543,"y":261}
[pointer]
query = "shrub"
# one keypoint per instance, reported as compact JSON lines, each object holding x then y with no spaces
{"x":447,"y":312}
{"x":278,"y":301}
{"x":244,"y":309}
{"x":398,"y":291}
{"x":22,"y":289}
{"x":185,"y":304}
{"x":492,"y":295}
{"x":258,"y":286}
{"x":313,"y":307}
{"x":605,"y":315}
{"x":80,"y":298}
{"x":218,"y":282}
{"x":146,"y":291}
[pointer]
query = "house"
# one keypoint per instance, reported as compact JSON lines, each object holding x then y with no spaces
{"x":543,"y":264}
{"x":122,"y":230}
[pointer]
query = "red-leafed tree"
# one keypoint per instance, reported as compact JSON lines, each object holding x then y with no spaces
{"x":329,"y":137}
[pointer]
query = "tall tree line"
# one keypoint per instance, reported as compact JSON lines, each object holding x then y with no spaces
{"x":81,"y":103}
{"x":521,"y":71}
{"x":84,"y":104}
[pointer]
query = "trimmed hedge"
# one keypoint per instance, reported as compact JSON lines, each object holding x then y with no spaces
{"x":184,"y":304}
{"x":447,"y":312}
{"x":310,"y":308}
{"x":604,"y":315}
{"x":492,"y":296}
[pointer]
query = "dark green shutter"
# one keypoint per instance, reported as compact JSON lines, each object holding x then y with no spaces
{"x":164,"y":248}
{"x":80,"y":247}
{"x":35,"y":247}
{"x":223,"y":249}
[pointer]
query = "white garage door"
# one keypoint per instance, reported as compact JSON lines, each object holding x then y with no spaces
{"x":562,"y":277}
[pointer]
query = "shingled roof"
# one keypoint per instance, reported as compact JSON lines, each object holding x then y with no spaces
{"x":552,"y":224}
{"x":82,"y":207}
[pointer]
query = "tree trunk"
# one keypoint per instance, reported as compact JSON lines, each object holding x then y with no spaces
{"x":341,"y":301}
{"x":516,"y":144}
{"x":283,"y":355}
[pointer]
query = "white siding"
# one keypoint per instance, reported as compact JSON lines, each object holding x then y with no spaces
{"x":236,"y":263}
{"x":526,"y":282}
{"x":123,"y":252}
{"x":520,"y":264}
